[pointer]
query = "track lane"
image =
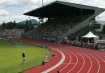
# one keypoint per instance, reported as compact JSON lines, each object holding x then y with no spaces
{"x":94,"y":60}
{"x":63,"y":65}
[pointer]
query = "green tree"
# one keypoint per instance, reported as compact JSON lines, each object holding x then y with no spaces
{"x":14,"y":24}
{"x":9,"y":25}
{"x":20,"y":26}
{"x":27,"y":22}
{"x":3,"y":25}
{"x":103,"y":29}
{"x":27,"y":28}
{"x":30,"y":22}
{"x":0,"y":27}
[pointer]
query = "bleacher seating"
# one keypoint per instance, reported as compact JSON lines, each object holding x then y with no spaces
{"x":12,"y":32}
{"x":55,"y":27}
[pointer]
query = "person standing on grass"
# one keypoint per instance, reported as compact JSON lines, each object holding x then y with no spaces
{"x":46,"y":57}
{"x":23,"y":56}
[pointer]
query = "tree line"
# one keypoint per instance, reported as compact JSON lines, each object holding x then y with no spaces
{"x":13,"y":25}
{"x":28,"y":26}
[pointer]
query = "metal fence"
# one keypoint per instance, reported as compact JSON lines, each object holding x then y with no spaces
{"x":20,"y":68}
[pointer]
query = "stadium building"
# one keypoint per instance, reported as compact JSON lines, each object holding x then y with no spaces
{"x":65,"y":20}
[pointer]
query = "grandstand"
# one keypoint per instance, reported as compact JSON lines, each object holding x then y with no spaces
{"x":64,"y":20}
{"x":10,"y":33}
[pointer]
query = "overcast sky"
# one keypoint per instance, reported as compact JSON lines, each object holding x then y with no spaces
{"x":11,"y":10}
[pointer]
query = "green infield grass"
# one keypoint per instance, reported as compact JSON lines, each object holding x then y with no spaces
{"x":11,"y":56}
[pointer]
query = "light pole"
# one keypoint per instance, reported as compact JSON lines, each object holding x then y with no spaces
{"x":98,"y":19}
{"x":42,"y":3}
{"x":29,"y":23}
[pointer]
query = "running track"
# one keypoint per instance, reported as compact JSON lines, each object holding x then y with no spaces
{"x":77,"y":60}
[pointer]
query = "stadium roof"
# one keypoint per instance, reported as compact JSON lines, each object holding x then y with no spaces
{"x":59,"y":8}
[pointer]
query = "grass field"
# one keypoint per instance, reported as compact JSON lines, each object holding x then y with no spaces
{"x":11,"y":55}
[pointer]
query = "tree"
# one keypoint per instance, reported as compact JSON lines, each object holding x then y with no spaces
{"x":0,"y":27}
{"x":27,"y":22}
{"x":103,"y":29}
{"x":20,"y":26}
{"x":14,"y":24}
{"x":30,"y":22}
{"x":26,"y":28}
{"x":9,"y":25}
{"x":3,"y":25}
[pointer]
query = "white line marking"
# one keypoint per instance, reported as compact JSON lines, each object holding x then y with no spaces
{"x":88,"y":62}
{"x":74,"y":65}
{"x":101,"y":58}
{"x":83,"y":63}
{"x":67,"y":63}
{"x":55,"y":66}
{"x":98,"y":63}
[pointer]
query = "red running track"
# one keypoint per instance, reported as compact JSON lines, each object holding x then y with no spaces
{"x":77,"y":60}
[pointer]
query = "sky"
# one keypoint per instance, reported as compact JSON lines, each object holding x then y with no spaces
{"x":11,"y":10}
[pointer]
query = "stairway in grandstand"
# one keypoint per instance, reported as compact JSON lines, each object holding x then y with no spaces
{"x":82,"y":24}
{"x":81,"y":32}
{"x":68,"y":20}
{"x":78,"y":28}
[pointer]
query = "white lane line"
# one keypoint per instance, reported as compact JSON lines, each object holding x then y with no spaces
{"x":84,"y":60}
{"x":67,"y":63}
{"x":59,"y":63}
{"x":92,"y":54}
{"x":101,"y":55}
{"x":69,"y":59}
{"x":97,"y":62}
{"x":101,"y":58}
{"x":83,"y":63}
{"x":87,"y":57}
{"x":74,"y":65}
{"x":89,"y":62}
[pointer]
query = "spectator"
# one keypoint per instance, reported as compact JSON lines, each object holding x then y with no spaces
{"x":46,"y":57}
{"x":23,"y":56}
